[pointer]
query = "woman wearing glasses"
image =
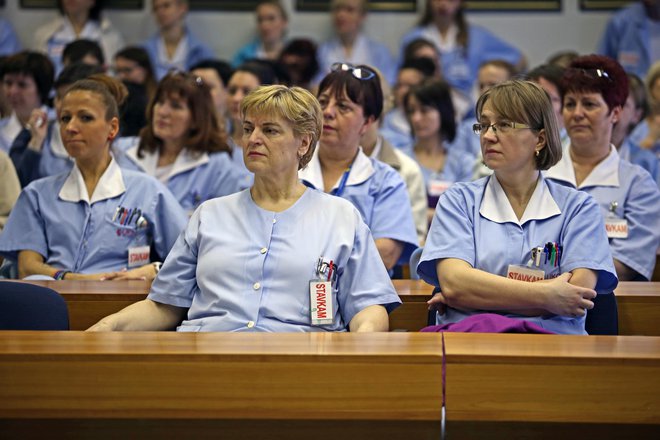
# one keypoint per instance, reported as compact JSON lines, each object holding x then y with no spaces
{"x":352,"y":100}
{"x":182,"y":144}
{"x":514,"y":243}
{"x":595,"y":89}
{"x":278,"y":257}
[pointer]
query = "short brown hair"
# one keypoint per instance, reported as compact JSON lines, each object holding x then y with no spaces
{"x":526,"y":102}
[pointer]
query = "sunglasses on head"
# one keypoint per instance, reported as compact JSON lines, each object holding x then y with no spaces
{"x":361,"y":73}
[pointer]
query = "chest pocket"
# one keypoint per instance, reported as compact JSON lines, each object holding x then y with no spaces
{"x":121,"y":237}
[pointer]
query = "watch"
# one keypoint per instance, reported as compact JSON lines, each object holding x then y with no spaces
{"x":157,"y":265}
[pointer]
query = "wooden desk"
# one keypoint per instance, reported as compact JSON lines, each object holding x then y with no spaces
{"x":383,"y":385}
{"x":89,"y":301}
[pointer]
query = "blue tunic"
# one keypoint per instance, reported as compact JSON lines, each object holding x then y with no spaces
{"x":195,"y":51}
{"x":53,"y":219}
{"x":239,"y":267}
{"x":474,"y":222}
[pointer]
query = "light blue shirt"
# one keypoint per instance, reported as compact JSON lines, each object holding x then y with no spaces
{"x":238,"y":267}
{"x":9,"y":43}
{"x":10,"y":127}
{"x":639,"y":133}
{"x":365,"y":51}
{"x":460,"y":66}
{"x":56,"y":218}
{"x":475,"y":222}
{"x":379,"y":194}
{"x":637,"y":199}
{"x":195,"y":178}
{"x":639,"y":156}
{"x":191,"y":50}
{"x":395,"y":128}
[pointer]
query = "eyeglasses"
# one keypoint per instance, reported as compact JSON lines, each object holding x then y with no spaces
{"x":186,"y":75}
{"x":361,"y":73}
{"x":593,"y":73}
{"x":502,"y":127}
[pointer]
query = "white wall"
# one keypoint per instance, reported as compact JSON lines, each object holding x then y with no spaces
{"x":537,"y":34}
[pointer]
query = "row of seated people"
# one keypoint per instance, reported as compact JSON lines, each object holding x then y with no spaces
{"x":239,"y":254}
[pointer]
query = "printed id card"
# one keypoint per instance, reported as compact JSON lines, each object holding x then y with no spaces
{"x":138,"y":256}
{"x":523,"y":273}
{"x":320,"y":300}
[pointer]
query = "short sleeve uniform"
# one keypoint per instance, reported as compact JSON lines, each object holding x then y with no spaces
{"x":474,"y":222}
{"x":55,"y":217}
{"x":239,"y":267}
{"x":379,"y":194}
{"x":623,"y":191}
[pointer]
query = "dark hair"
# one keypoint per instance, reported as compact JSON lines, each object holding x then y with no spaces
{"x":549,"y":72}
{"x":367,"y":93}
{"x":132,"y":115}
{"x":204,"y":134}
{"x":581,"y":76}
{"x":77,"y":50}
{"x":459,"y":20}
{"x":34,"y":64}
{"x":94,"y":11}
{"x":416,"y":44}
{"x":111,"y":91}
{"x":264,"y":71}
{"x":423,"y":65}
{"x":305,"y":49}
{"x":637,"y":90}
{"x":435,"y":93}
{"x":140,"y":56}
{"x":563,"y":59}
{"x":222,"y":68}
{"x":502,"y":64}
{"x":75,"y":72}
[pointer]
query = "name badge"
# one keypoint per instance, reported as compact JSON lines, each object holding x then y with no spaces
{"x":138,"y":256}
{"x":522,"y":273}
{"x":438,"y":187}
{"x":320,"y":299}
{"x":616,"y":227}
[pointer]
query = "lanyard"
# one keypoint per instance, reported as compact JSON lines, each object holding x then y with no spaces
{"x":342,"y":183}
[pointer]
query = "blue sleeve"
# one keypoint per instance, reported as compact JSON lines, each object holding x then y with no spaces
{"x":642,"y":211}
{"x":245,"y":53}
{"x":608,"y":40}
{"x":9,"y":43}
{"x":228,"y":178}
{"x":170,"y":220}
{"x":176,"y":283}
{"x":490,"y":47}
{"x":364,"y":281}
{"x":585,"y":244}
{"x":26,"y":161}
{"x":384,"y":61}
{"x":451,"y":235}
{"x":25,"y":228}
{"x":392,"y":216}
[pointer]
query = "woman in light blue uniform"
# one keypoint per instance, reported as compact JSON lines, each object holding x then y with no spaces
{"x":463,"y":46}
{"x":430,"y":114}
{"x":96,"y":220}
{"x":278,"y":257}
{"x":272,"y":23}
{"x":182,"y":144}
{"x":352,"y":100}
{"x":595,"y":88}
{"x":514,"y":243}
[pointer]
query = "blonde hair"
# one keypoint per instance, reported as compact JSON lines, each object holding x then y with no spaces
{"x":295,"y":104}
{"x":526,"y":102}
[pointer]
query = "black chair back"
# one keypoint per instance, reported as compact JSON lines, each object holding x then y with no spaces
{"x":25,"y":306}
{"x":603,"y":319}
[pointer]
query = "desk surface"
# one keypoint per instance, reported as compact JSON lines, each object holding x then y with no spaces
{"x":382,"y":376}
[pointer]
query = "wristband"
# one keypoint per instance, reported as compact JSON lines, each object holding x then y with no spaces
{"x":59,"y":275}
{"x":157,"y":265}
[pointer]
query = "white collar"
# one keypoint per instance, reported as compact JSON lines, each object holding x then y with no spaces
{"x":179,"y":56}
{"x":606,"y":173}
{"x":111,"y":184}
{"x":186,"y":160}
{"x":377,"y":148}
{"x":56,"y":144}
{"x":12,"y":128}
{"x":444,"y":45}
{"x":361,"y":170}
{"x":495,"y":206}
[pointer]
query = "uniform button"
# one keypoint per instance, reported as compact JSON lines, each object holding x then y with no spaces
{"x":274,"y":220}
{"x":256,"y":286}
{"x":263,"y":250}
{"x":250,"y":324}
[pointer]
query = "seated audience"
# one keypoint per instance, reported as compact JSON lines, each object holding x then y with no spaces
{"x":272,"y":23}
{"x":216,"y":75}
{"x":10,"y":187}
{"x":174,"y":46}
{"x":594,"y":90}
{"x":83,"y":51}
{"x":249,"y":261}
{"x":647,"y":132}
{"x":299,"y":60}
{"x":132,"y":65}
{"x":182,"y":144}
{"x":350,"y":44}
{"x":352,"y":101}
{"x":514,"y":243}
{"x":27,"y":78}
{"x":548,"y":76}
{"x":78,"y":20}
{"x":98,"y":221}
{"x":9,"y":42}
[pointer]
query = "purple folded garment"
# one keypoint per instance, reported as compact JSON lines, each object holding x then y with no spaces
{"x":488,"y":323}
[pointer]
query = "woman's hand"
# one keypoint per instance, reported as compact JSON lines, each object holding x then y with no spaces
{"x":566,"y":299}
{"x":107,"y":324}
{"x":38,"y":127}
{"x":146,"y":272}
{"x":438,"y":303}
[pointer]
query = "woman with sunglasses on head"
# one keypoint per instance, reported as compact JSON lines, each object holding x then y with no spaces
{"x":278,"y":257}
{"x":97,"y":221}
{"x":352,"y":100}
{"x":594,"y":90}
{"x":514,"y":243}
{"x":182,"y":144}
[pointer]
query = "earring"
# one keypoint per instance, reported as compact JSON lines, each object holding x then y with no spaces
{"x":538,"y":152}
